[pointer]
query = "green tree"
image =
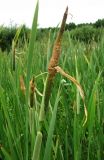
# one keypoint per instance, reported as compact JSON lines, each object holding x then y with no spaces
{"x":70,"y":26}
{"x":99,"y":23}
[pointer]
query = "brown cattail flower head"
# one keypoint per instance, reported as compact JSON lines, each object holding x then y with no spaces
{"x":22,"y":85}
{"x":57,"y":47}
{"x":54,"y":60}
{"x":32,"y":91}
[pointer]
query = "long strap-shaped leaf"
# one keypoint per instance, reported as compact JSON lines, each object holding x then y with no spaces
{"x":51,"y":129}
{"x":29,"y":64}
{"x":61,"y":71}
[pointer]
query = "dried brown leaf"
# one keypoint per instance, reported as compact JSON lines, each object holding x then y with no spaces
{"x":61,"y":71}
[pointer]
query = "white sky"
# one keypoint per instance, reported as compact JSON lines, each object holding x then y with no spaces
{"x":50,"y":11}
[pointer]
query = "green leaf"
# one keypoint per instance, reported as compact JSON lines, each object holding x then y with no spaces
{"x":29,"y":65}
{"x":51,"y":130}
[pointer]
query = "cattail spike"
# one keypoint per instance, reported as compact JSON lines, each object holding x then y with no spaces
{"x":66,"y":10}
{"x":22,"y":85}
{"x":32,"y":90}
{"x":54,"y":60}
{"x":57,"y":47}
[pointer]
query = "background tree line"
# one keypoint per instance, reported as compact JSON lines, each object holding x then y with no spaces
{"x":85,"y":32}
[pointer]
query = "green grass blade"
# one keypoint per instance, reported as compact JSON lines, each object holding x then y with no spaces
{"x":31,"y":46}
{"x":51,"y":130}
{"x":37,"y":146}
{"x":92,"y":112}
{"x":29,"y":65}
{"x":6,"y":154}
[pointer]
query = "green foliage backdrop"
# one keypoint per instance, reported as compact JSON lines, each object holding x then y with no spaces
{"x":82,"y":32}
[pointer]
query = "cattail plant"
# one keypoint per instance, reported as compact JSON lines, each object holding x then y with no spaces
{"x":32,"y":90}
{"x":22,"y":85}
{"x":37,"y":146}
{"x":14,"y":43}
{"x":54,"y":61}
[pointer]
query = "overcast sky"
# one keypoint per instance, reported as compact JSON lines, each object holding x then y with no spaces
{"x":50,"y":11}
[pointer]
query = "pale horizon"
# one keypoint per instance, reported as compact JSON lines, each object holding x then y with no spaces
{"x":50,"y":12}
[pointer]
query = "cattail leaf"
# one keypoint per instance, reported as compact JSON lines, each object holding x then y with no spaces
{"x":6,"y":154}
{"x":61,"y":71}
{"x":29,"y":65}
{"x":51,"y":130}
{"x":37,"y":146}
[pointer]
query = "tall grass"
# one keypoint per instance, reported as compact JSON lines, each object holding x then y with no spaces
{"x":62,"y":135}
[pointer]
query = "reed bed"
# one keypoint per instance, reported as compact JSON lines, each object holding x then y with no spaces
{"x":49,"y":116}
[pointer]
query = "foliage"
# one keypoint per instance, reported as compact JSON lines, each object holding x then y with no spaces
{"x":6,"y":37}
{"x":86,"y":34}
{"x":70,"y":138}
{"x":70,"y":26}
{"x":62,"y":134}
{"x":99,"y":23}
{"x":7,"y":34}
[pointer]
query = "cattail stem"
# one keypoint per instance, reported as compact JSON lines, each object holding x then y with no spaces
{"x":54,"y":61}
{"x":37,"y":146}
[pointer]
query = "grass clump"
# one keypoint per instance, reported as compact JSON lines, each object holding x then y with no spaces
{"x":60,"y":134}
